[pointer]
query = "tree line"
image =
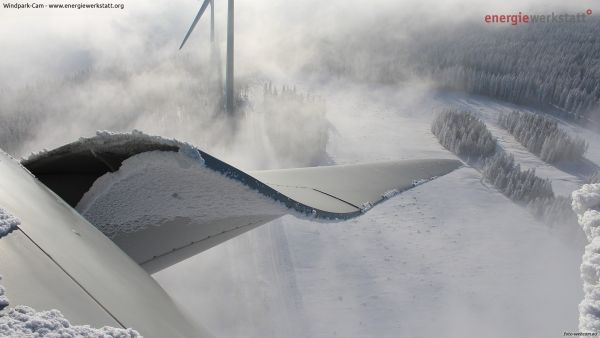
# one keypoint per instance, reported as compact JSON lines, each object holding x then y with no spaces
{"x":468,"y":137}
{"x":463,"y":134}
{"x":555,"y":67}
{"x":542,"y":136}
{"x":549,"y":66}
{"x":519,"y":185}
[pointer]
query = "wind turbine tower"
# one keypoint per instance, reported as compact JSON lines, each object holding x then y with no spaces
{"x":229,"y":98}
{"x":212,"y":21}
{"x":229,"y":76}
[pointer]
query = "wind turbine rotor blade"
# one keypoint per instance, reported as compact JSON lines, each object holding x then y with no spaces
{"x":198,"y":16}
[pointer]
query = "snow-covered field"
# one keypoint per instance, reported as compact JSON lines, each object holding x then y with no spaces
{"x":452,"y":257}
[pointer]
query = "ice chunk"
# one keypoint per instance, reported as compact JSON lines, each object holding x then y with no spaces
{"x":588,"y":197}
{"x":23,"y":321}
{"x":366,"y":207}
{"x":3,"y":298}
{"x":390,"y":193}
{"x":7,"y":223}
{"x":585,"y":200}
{"x":417,"y":183}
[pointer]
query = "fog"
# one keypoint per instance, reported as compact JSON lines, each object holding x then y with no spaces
{"x":273,"y":37}
{"x":66,"y":74}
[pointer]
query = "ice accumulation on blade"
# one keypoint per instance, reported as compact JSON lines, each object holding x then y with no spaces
{"x":417,"y":183}
{"x":23,"y":321}
{"x":107,"y":139}
{"x":390,"y":193}
{"x":3,"y":299}
{"x":586,"y":204}
{"x":156,"y":187}
{"x":7,"y":223}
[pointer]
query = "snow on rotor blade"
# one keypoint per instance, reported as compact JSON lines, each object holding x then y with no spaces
{"x":198,"y":16}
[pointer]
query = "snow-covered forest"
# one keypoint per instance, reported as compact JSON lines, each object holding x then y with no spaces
{"x":555,"y":67}
{"x":553,"y":210}
{"x":467,"y":136}
{"x":542,"y":136}
{"x":549,"y":66}
{"x":518,"y":185}
{"x":463,"y":134}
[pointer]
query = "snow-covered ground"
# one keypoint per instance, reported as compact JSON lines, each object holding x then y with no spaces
{"x":452,"y":257}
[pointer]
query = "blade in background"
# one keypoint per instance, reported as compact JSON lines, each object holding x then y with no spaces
{"x":198,"y":16}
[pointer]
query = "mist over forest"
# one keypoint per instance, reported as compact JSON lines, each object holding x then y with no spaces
{"x":128,"y":73}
